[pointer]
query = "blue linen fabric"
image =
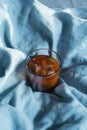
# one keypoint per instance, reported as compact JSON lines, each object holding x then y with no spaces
{"x":26,"y":25}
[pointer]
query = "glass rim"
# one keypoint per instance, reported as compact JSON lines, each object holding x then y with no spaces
{"x":27,"y":61}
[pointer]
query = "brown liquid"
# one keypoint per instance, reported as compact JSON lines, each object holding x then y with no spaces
{"x":44,"y":72}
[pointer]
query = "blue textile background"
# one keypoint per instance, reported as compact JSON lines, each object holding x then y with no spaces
{"x":62,"y":4}
{"x":26,"y":25}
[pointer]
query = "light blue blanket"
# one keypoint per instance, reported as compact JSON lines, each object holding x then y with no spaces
{"x":26,"y":25}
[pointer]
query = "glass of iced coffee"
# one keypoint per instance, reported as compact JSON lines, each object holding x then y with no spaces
{"x":43,"y":69}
